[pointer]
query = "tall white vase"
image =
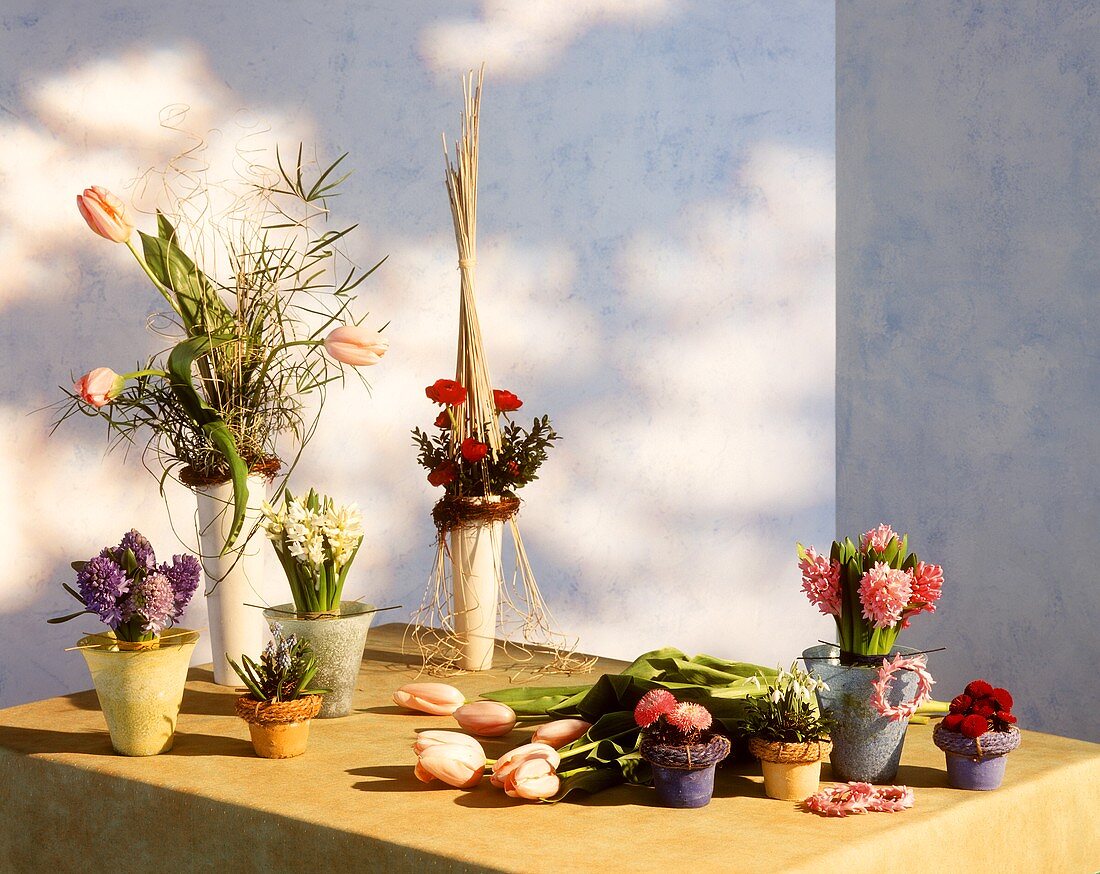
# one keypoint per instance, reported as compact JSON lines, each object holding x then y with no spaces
{"x":475,"y":557}
{"x":234,"y":579}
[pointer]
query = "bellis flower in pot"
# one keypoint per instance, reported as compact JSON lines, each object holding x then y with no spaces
{"x":139,"y":666}
{"x":789,"y":735}
{"x":680,"y":745}
{"x":977,"y":735}
{"x":281,"y":700}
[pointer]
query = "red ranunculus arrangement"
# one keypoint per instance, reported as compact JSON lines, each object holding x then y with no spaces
{"x":977,"y":735}
{"x":468,"y":467}
{"x":872,"y":590}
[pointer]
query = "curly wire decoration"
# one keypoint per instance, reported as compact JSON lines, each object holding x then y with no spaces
{"x":880,"y":689}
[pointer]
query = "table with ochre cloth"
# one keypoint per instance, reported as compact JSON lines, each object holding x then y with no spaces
{"x":351,"y":802}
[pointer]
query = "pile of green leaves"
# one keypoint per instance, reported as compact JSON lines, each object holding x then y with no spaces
{"x":608,"y":753}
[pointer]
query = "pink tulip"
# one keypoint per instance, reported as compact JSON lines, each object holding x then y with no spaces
{"x":105,"y":214}
{"x":433,"y":738}
{"x":438,"y":699}
{"x":486,"y":718}
{"x":534,"y":779}
{"x":99,"y":387}
{"x":352,"y":344}
{"x":455,"y":764}
{"x":506,"y":765}
{"x":560,"y":732}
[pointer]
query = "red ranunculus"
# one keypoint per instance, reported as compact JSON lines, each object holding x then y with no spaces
{"x":974,"y":725}
{"x":443,"y":420}
{"x":446,"y":391}
{"x":474,"y":450}
{"x":953,"y":721}
{"x":505,"y":401}
{"x":961,"y":703}
{"x":1002,"y":698}
{"x":443,"y":475}
{"x":512,"y":468}
{"x":978,"y":689}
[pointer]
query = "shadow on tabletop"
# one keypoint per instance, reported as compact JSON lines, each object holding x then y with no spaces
{"x":43,"y":740}
{"x":387,"y":778}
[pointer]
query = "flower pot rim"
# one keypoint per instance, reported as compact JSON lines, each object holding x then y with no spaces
{"x":989,"y":745}
{"x":788,"y":753}
{"x":268,"y":468}
{"x":685,"y":757}
{"x":290,"y":613}
{"x":278,"y":712}
{"x":829,"y":654}
{"x":106,"y":642}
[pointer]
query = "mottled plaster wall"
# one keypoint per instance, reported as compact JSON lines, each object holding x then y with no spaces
{"x":968,"y":378}
{"x":655,"y":270}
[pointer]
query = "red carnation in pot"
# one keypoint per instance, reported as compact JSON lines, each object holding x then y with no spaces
{"x":974,"y":725}
{"x":978,"y":689}
{"x":446,"y":391}
{"x":1002,"y":698}
{"x":474,"y":450}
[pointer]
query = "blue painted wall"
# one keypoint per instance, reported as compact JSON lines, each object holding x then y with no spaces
{"x":968,"y":374}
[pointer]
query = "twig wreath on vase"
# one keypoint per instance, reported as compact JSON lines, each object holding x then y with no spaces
{"x":480,"y":464}
{"x":228,"y":396}
{"x":281,"y":698}
{"x":139,"y":667}
{"x":873,"y":591}
{"x":316,"y":541}
{"x":789,"y":735}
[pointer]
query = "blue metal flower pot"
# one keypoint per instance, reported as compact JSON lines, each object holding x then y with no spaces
{"x":682,"y":788}
{"x":866,"y":746}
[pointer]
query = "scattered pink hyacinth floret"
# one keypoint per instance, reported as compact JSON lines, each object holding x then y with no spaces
{"x":877,"y":538}
{"x":821,"y":582}
{"x":884,"y":593}
{"x":654,"y":704}
{"x":689,"y":717}
{"x":846,"y":799}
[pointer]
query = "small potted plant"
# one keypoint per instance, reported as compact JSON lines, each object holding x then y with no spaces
{"x":789,"y":735}
{"x":138,"y":667}
{"x":681,"y":746}
{"x":280,"y":702}
{"x":316,"y":540}
{"x":977,"y":735}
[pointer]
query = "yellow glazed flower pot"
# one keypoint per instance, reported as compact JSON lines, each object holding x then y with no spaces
{"x":279,"y":729}
{"x":140,"y":687}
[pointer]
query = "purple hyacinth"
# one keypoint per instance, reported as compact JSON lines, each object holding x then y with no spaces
{"x":102,"y":584}
{"x":135,"y":541}
{"x":152,"y":601}
{"x":183,"y":574}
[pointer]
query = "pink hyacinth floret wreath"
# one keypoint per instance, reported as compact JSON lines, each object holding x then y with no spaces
{"x":821,"y":582}
{"x":880,"y":688}
{"x":847,"y":799}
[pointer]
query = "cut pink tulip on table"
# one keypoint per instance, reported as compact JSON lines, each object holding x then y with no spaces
{"x":437,"y":699}
{"x":486,"y":718}
{"x":560,"y":732}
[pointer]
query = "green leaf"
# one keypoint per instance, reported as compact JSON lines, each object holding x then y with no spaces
{"x":587,"y":779}
{"x":200,"y":306}
{"x":57,"y":620}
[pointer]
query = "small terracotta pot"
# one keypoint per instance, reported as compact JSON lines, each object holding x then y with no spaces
{"x":279,"y":729}
{"x":792,"y":772}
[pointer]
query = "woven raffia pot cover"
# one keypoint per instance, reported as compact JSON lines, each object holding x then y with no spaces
{"x":986,"y":746}
{"x":686,"y":757}
{"x":298,"y":710}
{"x":790,"y":753}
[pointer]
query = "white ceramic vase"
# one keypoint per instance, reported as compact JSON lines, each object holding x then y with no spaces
{"x":235,"y":578}
{"x":476,"y":566}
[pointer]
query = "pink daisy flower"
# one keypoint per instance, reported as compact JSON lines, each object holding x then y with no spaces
{"x":884,"y":592}
{"x":689,"y":717}
{"x":821,"y":582}
{"x":877,"y":538}
{"x":654,"y":704}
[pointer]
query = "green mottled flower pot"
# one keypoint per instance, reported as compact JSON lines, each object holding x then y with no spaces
{"x":337,"y":642}
{"x":140,"y":691}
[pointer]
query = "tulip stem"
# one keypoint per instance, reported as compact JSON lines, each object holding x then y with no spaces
{"x":166,"y":293}
{"x":152,"y":371}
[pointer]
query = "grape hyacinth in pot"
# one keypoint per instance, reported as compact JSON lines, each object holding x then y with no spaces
{"x":139,"y":666}
{"x":281,"y":700}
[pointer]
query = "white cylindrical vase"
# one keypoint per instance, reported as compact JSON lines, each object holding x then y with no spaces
{"x":476,"y":566}
{"x":235,"y":578}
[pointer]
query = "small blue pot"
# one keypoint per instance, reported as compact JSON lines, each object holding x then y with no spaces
{"x":975,"y":763}
{"x":964,"y":772}
{"x":866,"y":746}
{"x":681,"y":788}
{"x":683,"y":774}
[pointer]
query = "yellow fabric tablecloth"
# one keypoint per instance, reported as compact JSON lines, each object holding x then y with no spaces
{"x":351,"y":802}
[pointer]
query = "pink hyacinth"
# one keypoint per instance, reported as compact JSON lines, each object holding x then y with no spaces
{"x":927,"y":586}
{"x":884,"y":593}
{"x":877,"y":538}
{"x":821,"y":582}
